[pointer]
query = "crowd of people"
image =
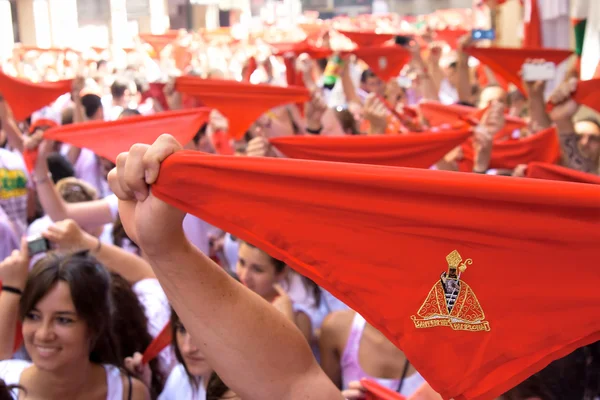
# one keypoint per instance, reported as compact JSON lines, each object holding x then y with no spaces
{"x":123,"y":266}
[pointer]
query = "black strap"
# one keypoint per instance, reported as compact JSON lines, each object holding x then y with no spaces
{"x":130,"y":387}
{"x":404,"y":372}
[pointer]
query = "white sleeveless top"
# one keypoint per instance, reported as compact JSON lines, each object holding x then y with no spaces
{"x":11,"y":370}
{"x":179,"y":387}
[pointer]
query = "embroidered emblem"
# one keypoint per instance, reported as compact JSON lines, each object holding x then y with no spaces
{"x":451,"y":302}
{"x":383,"y":62}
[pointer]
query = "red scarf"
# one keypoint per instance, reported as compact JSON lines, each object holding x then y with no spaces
{"x":378,"y":238}
{"x":241,"y":103}
{"x":419,"y":150}
{"x":542,"y":146}
{"x":507,"y":62}
{"x":108,"y":139}
{"x":25,"y":97}
{"x":558,"y":173}
{"x":367,"y":38}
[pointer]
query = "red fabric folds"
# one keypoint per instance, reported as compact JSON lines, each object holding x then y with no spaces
{"x":297,"y":48}
{"x":557,"y":173}
{"x":451,"y":36}
{"x":587,"y":94}
{"x":108,"y":139}
{"x":25,"y":97}
{"x":385,"y":62}
{"x":377,"y":392}
{"x":419,"y":150}
{"x":241,"y":103}
{"x":379,"y":238}
{"x":367,"y":38}
{"x":156,"y":92}
{"x":438,"y":114}
{"x":160,"y":342}
{"x":542,"y":146}
{"x":507,"y":62}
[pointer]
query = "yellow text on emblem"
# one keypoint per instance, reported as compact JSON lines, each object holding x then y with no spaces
{"x":451,"y":302}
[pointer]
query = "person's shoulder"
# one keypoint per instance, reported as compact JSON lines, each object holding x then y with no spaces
{"x":337,"y":322}
{"x":139,"y":391}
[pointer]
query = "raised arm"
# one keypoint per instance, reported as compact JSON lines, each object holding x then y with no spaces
{"x":234,"y":325}
{"x":88,"y":214}
{"x":13,"y":133}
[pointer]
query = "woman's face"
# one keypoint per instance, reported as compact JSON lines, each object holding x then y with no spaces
{"x":192,"y":357}
{"x":53,"y":333}
{"x":257,"y":272}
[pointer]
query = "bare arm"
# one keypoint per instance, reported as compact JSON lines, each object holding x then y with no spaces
{"x":462,"y":69}
{"x":235,"y":327}
{"x":330,"y":355}
{"x":69,"y":236}
{"x":88,"y":214}
{"x":13,"y":133}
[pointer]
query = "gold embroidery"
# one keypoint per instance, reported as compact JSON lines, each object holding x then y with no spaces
{"x":451,"y":301}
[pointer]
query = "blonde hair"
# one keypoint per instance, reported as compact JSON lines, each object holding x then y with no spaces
{"x":74,"y":190}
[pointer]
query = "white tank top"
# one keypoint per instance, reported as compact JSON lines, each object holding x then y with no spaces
{"x":11,"y":370}
{"x":179,"y":387}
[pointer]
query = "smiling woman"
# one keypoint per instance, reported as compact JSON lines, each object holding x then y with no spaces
{"x":65,"y":310}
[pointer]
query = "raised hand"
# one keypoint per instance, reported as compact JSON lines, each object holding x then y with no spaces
{"x":155,"y":226}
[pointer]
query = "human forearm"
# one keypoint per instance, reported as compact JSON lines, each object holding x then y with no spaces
{"x":464,"y":80}
{"x":231,"y":320}
{"x":9,"y":309}
{"x":537,"y":109}
{"x":13,"y":133}
{"x":115,"y":259}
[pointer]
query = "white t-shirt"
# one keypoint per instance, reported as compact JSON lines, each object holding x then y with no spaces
{"x":9,"y":240}
{"x":14,"y":182}
{"x":158,"y":312}
{"x":11,"y":370}
{"x":448,"y":93}
{"x":179,"y":387}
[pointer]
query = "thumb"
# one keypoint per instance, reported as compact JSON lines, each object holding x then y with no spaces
{"x":279,"y":289}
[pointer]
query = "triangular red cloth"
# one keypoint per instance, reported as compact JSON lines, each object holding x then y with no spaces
{"x":450,"y":36}
{"x":558,"y":173}
{"x":438,"y":114}
{"x":108,"y":139}
{"x":25,"y":97}
{"x":160,"y":342}
{"x":484,"y":80}
{"x":297,"y":48}
{"x":385,"y":62}
{"x":367,"y":38}
{"x":379,"y":238}
{"x":507,"y":62}
{"x":241,"y":103}
{"x":587,"y":94}
{"x":158,"y":42}
{"x":542,"y":146}
{"x":418,"y":150}
{"x":377,"y":392}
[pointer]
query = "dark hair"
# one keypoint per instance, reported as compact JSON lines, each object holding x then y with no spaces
{"x":66,"y":117}
{"x":59,"y":167}
{"x":119,"y":235}
{"x":6,"y":391}
{"x":347,"y":121}
{"x":322,"y":64}
{"x":453,"y":65}
{"x":101,"y":63}
{"x":91,"y":103}
{"x":89,"y":283}
{"x":118,"y":88}
{"x":74,"y":190}
{"x":278,"y":264}
{"x":366,"y":74}
{"x":200,"y":134}
{"x":131,"y":327}
{"x":564,"y":378}
{"x":129,"y":112}
{"x":175,"y":324}
{"x":216,"y":388}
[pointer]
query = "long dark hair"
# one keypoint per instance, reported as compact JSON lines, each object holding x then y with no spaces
{"x":216,"y":388}
{"x":131,"y":328}
{"x":175,"y":325}
{"x":89,"y":283}
{"x":6,"y":391}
